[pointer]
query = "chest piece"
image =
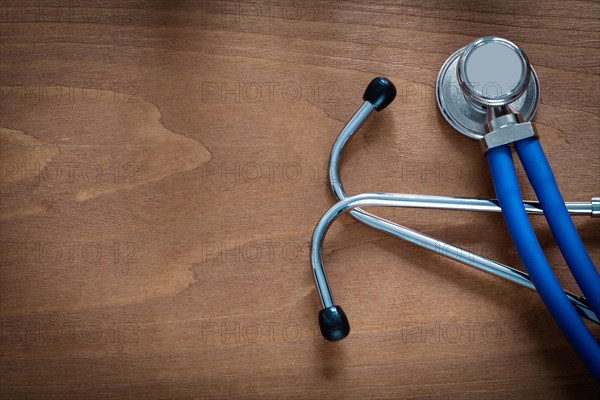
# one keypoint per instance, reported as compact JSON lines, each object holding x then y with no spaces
{"x":489,"y":72}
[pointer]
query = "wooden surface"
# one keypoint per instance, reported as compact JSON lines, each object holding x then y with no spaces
{"x":163,"y":168}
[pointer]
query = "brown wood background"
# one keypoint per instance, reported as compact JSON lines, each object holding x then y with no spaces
{"x":163,"y":167}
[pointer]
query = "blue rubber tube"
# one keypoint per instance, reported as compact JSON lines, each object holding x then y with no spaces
{"x":509,"y":197}
{"x":542,"y":180}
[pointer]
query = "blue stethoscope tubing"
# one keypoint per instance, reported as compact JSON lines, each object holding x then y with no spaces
{"x":544,"y":184}
{"x":507,"y":189}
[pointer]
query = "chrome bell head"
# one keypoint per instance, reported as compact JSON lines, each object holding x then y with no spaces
{"x":489,"y":72}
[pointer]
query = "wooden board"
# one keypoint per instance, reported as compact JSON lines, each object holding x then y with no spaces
{"x":164,"y":165}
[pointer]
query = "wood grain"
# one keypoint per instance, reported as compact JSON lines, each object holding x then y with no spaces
{"x":164,"y":165}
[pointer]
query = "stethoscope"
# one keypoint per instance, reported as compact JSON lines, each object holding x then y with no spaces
{"x":488,"y":91}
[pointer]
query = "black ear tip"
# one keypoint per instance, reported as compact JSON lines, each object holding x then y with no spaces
{"x":333,"y":323}
{"x":380,"y":93}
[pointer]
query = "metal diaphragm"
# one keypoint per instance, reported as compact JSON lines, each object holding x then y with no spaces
{"x":488,"y":72}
